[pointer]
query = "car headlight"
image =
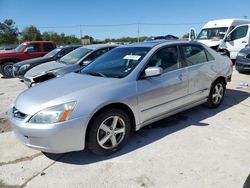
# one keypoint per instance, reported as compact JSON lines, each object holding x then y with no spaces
{"x":53,"y":114}
{"x":24,"y":67}
{"x":241,"y":54}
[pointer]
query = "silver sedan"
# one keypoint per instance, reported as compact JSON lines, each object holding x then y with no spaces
{"x":125,"y":89}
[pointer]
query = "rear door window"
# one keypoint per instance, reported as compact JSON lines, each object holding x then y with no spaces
{"x":96,"y":54}
{"x":167,"y":58}
{"x":48,"y":47}
{"x":194,"y":54}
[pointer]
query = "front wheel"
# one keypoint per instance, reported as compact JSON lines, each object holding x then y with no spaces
{"x":6,"y":69}
{"x":108,"y":132}
{"x":216,"y":94}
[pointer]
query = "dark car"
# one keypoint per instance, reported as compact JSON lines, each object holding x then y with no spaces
{"x":19,"y":69}
{"x":71,"y":62}
{"x":242,"y":63}
{"x":166,"y":37}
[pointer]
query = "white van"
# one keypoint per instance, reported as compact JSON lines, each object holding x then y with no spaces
{"x":215,"y":35}
{"x":236,"y":40}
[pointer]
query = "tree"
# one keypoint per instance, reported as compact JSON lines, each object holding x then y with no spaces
{"x":31,"y":33}
{"x":8,"y":32}
{"x":60,"y":39}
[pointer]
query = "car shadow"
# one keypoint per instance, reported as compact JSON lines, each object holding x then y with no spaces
{"x":157,"y":130}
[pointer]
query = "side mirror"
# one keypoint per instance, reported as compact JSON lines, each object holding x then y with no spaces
{"x":192,"y":34}
{"x":28,"y":49}
{"x":59,"y":55}
{"x":153,"y":71}
{"x":84,"y":63}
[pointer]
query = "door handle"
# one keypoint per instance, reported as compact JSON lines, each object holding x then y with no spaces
{"x":244,"y":42}
{"x":180,"y":76}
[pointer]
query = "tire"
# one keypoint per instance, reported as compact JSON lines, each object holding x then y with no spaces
{"x":6,"y":69}
{"x":216,"y":94}
{"x":247,"y":182}
{"x":108,"y":132}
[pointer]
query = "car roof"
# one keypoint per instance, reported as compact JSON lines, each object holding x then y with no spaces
{"x":151,"y":44}
{"x":98,"y":46}
{"x":70,"y":46}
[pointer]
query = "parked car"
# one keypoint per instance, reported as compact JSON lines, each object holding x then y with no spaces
{"x":242,"y":63}
{"x":20,"y":68}
{"x":125,"y":89}
{"x":71,"y":62}
{"x":7,"y":48}
{"x":166,"y":37}
{"x":24,"y":51}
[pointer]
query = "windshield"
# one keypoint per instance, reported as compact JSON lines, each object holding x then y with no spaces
{"x":75,"y":55}
{"x":117,"y":63}
{"x":20,"y":47}
{"x":53,"y":52}
{"x":212,"y":33}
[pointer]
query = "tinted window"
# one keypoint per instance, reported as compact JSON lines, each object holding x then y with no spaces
{"x":75,"y":55}
{"x":53,"y":52}
{"x":166,"y":58}
{"x":239,"y":32}
{"x":48,"y":47}
{"x":209,"y":56}
{"x":34,"y":47}
{"x":194,"y":54}
{"x":96,"y":54}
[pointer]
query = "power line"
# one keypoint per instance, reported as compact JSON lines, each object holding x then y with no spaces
{"x":120,"y":25}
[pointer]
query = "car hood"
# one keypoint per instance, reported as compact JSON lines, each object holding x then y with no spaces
{"x":71,"y":87}
{"x":45,"y":67}
{"x":245,"y":50}
{"x":34,"y":61}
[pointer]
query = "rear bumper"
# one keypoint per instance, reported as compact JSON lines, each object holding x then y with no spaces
{"x":53,"y":138}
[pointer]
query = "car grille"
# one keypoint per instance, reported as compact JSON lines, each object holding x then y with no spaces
{"x":18,"y":114}
{"x":248,"y":56}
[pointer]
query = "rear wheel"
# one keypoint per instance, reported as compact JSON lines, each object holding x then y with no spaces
{"x":108,"y":132}
{"x":216,"y":94}
{"x":6,"y":69}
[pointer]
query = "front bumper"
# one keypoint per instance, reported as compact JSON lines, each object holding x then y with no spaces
{"x":53,"y":138}
{"x":242,"y":66}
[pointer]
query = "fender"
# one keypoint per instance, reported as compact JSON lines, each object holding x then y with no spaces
{"x":14,"y":60}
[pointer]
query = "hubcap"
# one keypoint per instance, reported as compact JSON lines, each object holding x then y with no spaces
{"x":111,"y":132}
{"x":217,"y":93}
{"x":8,"y":70}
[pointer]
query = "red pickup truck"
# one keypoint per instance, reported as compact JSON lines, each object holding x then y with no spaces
{"x":24,"y":51}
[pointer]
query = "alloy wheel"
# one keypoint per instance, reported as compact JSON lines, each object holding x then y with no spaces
{"x":111,"y":132}
{"x":217,"y":93}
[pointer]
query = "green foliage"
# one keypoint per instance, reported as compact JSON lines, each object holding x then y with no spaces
{"x":60,"y":39}
{"x":125,"y":39}
{"x":31,"y":33}
{"x":8,"y":32}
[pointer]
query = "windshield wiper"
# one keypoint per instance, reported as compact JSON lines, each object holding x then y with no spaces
{"x":96,"y":74}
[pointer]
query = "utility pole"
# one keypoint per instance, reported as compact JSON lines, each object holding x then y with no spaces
{"x":81,"y":33}
{"x":138,"y":32}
